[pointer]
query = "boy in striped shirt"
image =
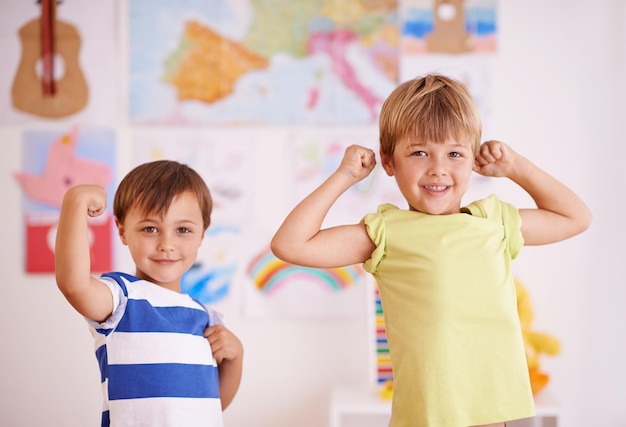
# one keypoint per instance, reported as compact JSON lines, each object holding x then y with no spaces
{"x":165,"y":359}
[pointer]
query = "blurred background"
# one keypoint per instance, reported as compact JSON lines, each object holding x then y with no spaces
{"x":261,"y":97}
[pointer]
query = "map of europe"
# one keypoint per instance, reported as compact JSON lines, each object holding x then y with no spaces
{"x":259,"y":62}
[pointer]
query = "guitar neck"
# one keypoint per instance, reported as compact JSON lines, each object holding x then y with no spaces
{"x":48,"y":18}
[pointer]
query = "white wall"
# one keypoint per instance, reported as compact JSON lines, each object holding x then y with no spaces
{"x":560,"y":83}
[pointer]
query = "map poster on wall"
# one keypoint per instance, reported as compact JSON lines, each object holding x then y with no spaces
{"x":53,"y":162}
{"x":277,"y":62}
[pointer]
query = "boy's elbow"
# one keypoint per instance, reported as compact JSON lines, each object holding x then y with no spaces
{"x":581,"y":222}
{"x":70,"y":291}
{"x":63,"y":285}
{"x":287,"y":251}
{"x":585,"y":220}
{"x":279,"y":250}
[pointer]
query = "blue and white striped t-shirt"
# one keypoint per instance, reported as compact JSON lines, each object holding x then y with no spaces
{"x":156,"y":366}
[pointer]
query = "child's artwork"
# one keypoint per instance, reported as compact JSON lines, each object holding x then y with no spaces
{"x":277,"y":288}
{"x":253,"y":62}
{"x":57,"y":58}
{"x":210,"y":279}
{"x":448,"y":26}
{"x":52,"y":164}
{"x":49,"y":40}
{"x":452,"y":37}
{"x":225,"y":160}
{"x":317,"y":154}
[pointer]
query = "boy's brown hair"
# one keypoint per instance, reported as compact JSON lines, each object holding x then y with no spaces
{"x":431,"y":108}
{"x":152,"y":186}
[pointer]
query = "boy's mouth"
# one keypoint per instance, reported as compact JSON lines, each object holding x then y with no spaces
{"x":436,"y":187}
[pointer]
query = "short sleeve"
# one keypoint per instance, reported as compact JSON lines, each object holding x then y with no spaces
{"x":375,"y":224}
{"x":494,"y":209}
{"x":119,"y":306}
{"x":215,"y":317}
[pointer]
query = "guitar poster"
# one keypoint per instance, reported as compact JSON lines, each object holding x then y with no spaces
{"x":454,"y":37}
{"x":61,"y":70}
{"x":53,"y":162}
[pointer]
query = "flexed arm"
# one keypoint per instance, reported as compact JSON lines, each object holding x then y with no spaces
{"x":300,"y":240}
{"x":89,"y":296}
{"x":560,"y":213}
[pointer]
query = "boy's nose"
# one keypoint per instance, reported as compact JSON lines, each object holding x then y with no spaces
{"x":165,"y":244}
{"x":436,"y":168}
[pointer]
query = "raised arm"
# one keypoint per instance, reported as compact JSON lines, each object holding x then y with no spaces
{"x":89,"y":296}
{"x":300,"y":239}
{"x":560,"y":213}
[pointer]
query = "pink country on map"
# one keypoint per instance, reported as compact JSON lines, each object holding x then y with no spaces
{"x":335,"y":44}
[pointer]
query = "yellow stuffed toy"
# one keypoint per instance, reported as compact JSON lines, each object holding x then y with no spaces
{"x":536,"y":343}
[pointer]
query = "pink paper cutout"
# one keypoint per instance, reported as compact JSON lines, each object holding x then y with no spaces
{"x":63,"y":170}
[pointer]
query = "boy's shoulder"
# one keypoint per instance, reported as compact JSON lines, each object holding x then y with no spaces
{"x":117,"y":276}
{"x":122,"y":279}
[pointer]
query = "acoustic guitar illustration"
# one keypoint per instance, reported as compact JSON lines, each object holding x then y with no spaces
{"x":44,"y":41}
{"x":449,"y":34}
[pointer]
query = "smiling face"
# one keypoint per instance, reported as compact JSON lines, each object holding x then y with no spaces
{"x":432,"y":177}
{"x":430,"y":131}
{"x":164,"y":247}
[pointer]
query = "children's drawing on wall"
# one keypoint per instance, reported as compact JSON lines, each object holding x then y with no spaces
{"x":53,"y":52}
{"x":53,"y":42}
{"x":316,"y":154}
{"x":225,"y":160}
{"x":279,"y":289}
{"x":52,"y":164}
{"x":251,"y":62}
{"x":453,"y":37}
{"x":210,"y":279}
{"x":448,"y":26}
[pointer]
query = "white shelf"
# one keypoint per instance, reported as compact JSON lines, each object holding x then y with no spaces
{"x":347,"y":401}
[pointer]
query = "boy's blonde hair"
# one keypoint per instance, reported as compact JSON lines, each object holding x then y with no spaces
{"x":152,"y":186}
{"x":431,"y":108}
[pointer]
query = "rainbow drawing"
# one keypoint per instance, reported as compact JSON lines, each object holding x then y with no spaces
{"x":269,"y":274}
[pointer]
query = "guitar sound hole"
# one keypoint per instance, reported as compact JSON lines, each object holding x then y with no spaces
{"x":446,"y":12}
{"x":58,"y":67}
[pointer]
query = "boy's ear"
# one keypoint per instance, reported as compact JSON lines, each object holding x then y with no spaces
{"x":387,"y":163}
{"x":121,"y":231}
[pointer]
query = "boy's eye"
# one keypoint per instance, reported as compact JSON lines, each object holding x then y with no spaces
{"x":418,"y":153}
{"x":456,"y":154}
{"x":150,"y":229}
{"x":184,"y":230}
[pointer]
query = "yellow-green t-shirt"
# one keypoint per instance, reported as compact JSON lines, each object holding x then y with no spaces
{"x":450,"y":312}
